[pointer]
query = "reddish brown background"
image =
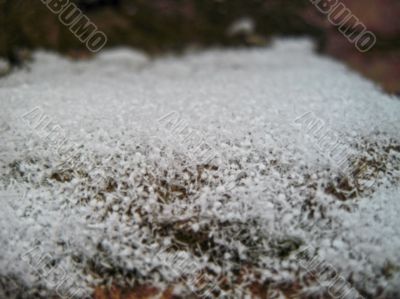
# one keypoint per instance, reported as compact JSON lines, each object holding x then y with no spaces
{"x":158,"y":26}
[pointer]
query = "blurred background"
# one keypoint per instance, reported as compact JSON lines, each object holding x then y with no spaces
{"x":165,"y":26}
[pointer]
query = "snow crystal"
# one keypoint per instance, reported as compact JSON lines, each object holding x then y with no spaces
{"x":114,"y":186}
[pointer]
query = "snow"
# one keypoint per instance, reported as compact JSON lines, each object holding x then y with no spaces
{"x":241,"y":26}
{"x":135,"y":182}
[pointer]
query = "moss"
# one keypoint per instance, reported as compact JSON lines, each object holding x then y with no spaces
{"x":373,"y":161}
{"x":65,"y":176}
{"x":285,"y":246}
{"x":390,"y":269}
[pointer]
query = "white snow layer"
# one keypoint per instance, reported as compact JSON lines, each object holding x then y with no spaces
{"x":119,"y":179}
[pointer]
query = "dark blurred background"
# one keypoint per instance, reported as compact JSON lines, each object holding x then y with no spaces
{"x":159,"y":26}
